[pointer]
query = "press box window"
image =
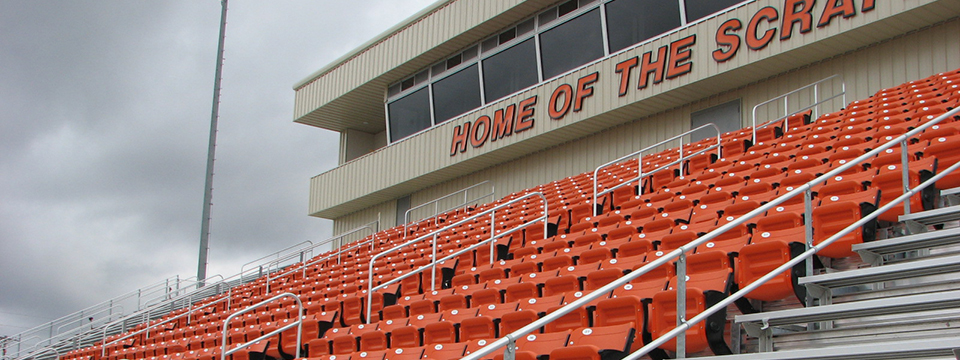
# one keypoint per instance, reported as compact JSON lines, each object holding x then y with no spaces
{"x":409,"y":114}
{"x":456,"y":94}
{"x":510,"y":70}
{"x":630,"y":22}
{"x":698,"y":9}
{"x":571,"y":44}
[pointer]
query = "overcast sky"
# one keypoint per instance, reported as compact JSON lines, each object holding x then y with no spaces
{"x":104,"y":118}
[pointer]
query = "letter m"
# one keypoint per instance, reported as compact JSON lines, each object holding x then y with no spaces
{"x":503,"y":122}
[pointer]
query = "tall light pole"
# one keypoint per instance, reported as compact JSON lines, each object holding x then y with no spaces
{"x":211,"y":150}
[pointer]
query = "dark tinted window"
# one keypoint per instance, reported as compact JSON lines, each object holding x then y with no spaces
{"x":510,"y":70}
{"x":409,"y":114}
{"x":698,"y":9}
{"x":632,"y":21}
{"x":571,"y":44}
{"x":456,"y":94}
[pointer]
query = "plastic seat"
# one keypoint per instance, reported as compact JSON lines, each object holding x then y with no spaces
{"x":407,"y":336}
{"x":439,"y":332}
{"x":890,"y":184}
{"x":576,"y":352}
{"x":444,"y":351}
{"x":475,"y":328}
{"x":617,"y":339}
{"x":703,"y":335}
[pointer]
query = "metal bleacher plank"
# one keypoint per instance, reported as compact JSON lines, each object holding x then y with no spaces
{"x":853,"y":309}
{"x":935,"y":216}
{"x":818,"y":283}
{"x":907,"y":349}
{"x":871,"y":252}
{"x":952,"y":191}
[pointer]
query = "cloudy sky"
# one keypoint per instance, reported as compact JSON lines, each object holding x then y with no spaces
{"x":104,"y":118}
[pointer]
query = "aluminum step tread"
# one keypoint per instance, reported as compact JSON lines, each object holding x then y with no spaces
{"x":908,"y":349}
{"x":907,"y":243}
{"x":904,"y":270}
{"x":855,"y":309}
{"x":935,"y":216}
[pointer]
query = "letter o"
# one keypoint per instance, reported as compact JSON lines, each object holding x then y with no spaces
{"x":567,"y":92}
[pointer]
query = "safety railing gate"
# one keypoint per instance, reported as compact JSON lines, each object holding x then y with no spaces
{"x":664,"y":167}
{"x":786,"y":102}
{"x":299,"y":324}
{"x":436,"y":203}
{"x":679,"y":254}
{"x":433,"y":264}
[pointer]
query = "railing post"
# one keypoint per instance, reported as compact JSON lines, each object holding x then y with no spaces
{"x":510,"y":351}
{"x":816,"y":100}
{"x":493,"y":230}
{"x":808,"y":236}
{"x":682,"y":304}
{"x":433,"y":270}
{"x":905,"y":174}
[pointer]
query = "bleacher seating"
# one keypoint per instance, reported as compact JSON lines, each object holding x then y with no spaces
{"x":478,"y":299}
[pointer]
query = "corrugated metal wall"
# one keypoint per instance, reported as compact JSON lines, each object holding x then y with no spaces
{"x":890,"y":63}
{"x":423,"y":160}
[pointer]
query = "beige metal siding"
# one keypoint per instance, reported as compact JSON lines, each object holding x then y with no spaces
{"x":865,"y":71}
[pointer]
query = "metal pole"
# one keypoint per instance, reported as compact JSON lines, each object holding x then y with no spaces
{"x":208,"y":183}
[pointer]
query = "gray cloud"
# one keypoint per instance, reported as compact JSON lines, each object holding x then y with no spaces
{"x":103,"y":130}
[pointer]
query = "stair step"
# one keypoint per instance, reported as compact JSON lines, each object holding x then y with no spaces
{"x":951,"y":191}
{"x":820,"y":285}
{"x":935,"y":216}
{"x":934,"y":348}
{"x":872,"y":252}
{"x":753,"y":323}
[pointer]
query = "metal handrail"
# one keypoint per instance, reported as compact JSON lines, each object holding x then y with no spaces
{"x":62,"y":339}
{"x":683,"y":324}
{"x":82,"y":313}
{"x":146,"y":330}
{"x":59,"y":328}
{"x":369,"y":226}
{"x":340,"y":251}
{"x":433,"y":235}
{"x":640,"y":173}
{"x":167,"y":296}
{"x":299,"y":324}
{"x":155,"y":306}
{"x":19,"y":342}
{"x":436,"y":203}
{"x":277,"y":254}
{"x":43,"y":351}
{"x":815,"y":105}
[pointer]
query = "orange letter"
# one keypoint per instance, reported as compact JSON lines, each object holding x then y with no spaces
{"x":753,"y":41}
{"x":845,"y":8}
{"x":624,"y":68}
{"x":478,"y":141}
{"x":503,"y":122}
{"x":584,"y":89}
{"x":656,"y":67}
{"x":679,"y":53}
{"x":567,"y":92}
{"x":460,"y":134}
{"x":796,"y":11}
{"x":726,"y":38}
{"x":525,"y":117}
